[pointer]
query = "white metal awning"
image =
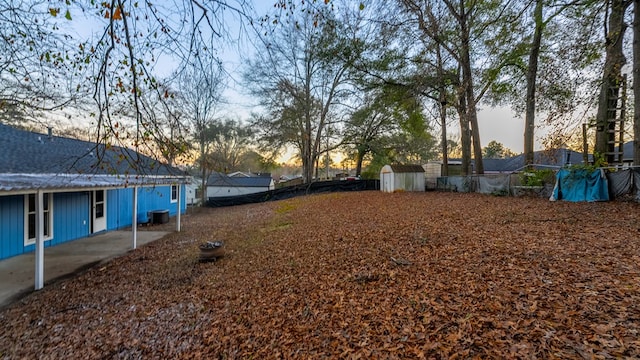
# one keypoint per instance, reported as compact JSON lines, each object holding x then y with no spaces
{"x":15,"y":184}
{"x":25,"y":183}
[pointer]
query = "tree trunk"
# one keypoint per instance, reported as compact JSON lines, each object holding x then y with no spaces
{"x":611,"y":81}
{"x":475,"y":136}
{"x":532,"y":73}
{"x":636,"y":82}
{"x":307,"y":159}
{"x":203,"y":169}
{"x":443,"y":137}
{"x":465,"y":135}
{"x":443,"y":113}
{"x":467,"y":82}
{"x":359,"y":158}
{"x":203,"y":190}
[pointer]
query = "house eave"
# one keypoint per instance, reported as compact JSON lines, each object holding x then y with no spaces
{"x":16,"y":184}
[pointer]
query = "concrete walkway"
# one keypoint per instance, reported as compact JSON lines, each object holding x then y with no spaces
{"x":17,"y":274}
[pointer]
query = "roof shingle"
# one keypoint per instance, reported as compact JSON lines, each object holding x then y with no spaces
{"x":26,"y":152}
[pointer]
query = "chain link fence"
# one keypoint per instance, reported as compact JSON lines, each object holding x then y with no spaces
{"x":621,"y":184}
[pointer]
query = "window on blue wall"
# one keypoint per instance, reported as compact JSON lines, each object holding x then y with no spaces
{"x":31,"y":217}
{"x":174,"y":193}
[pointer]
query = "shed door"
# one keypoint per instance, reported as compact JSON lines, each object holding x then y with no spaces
{"x":387,"y":182}
{"x":98,"y":211}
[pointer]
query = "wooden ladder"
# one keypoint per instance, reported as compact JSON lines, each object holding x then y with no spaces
{"x":617,"y":101}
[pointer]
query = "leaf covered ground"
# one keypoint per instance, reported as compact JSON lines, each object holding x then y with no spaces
{"x":357,"y":275}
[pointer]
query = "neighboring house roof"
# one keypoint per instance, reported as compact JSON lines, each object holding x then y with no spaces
{"x":222,"y":180}
{"x":549,"y":158}
{"x":407,"y":168}
{"x":26,"y":152}
{"x":243,"y":174}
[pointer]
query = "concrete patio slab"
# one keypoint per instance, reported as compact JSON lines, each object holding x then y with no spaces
{"x":17,"y":274}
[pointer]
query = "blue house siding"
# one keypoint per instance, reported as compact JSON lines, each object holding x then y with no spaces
{"x":159,"y":198}
{"x":11,"y":225}
{"x":70,"y":221}
{"x":149,"y":199}
{"x":71,"y":217}
{"x":119,"y":208}
{"x":78,"y":174}
{"x":154,"y":198}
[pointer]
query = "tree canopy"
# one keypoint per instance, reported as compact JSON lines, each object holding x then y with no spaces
{"x":373,"y":79}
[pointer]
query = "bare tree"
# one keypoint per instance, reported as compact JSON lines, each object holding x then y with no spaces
{"x":202,"y":84}
{"x":299,"y":74}
{"x":39,"y":66}
{"x":138,"y":39}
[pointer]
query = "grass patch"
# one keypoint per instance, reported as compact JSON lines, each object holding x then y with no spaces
{"x":278,"y":225}
{"x":287,"y":207}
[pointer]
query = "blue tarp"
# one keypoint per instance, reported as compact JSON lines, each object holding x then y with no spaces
{"x":581,"y":185}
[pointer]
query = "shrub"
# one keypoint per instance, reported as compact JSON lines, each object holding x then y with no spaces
{"x":537,"y":177}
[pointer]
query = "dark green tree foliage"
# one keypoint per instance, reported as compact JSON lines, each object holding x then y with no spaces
{"x":495,"y":150}
{"x":467,"y":32}
{"x":230,"y":145}
{"x":390,"y":126}
{"x":546,"y":77}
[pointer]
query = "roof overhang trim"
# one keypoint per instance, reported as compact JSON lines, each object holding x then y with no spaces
{"x":22,"y":183}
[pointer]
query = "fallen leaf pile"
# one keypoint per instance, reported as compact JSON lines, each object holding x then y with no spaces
{"x":357,"y":275}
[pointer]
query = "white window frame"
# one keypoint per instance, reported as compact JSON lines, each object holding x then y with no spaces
{"x":174,"y":199}
{"x":48,"y":218}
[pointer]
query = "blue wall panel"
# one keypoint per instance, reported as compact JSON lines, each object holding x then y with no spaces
{"x":70,"y":217}
{"x":183,"y":199}
{"x":149,"y":199}
{"x":119,"y":208}
{"x":159,"y":198}
{"x":11,"y":225}
{"x":154,"y":198}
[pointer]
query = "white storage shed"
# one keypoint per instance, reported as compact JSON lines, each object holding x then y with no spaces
{"x":402,"y":178}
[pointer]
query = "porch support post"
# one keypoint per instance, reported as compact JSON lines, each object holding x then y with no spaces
{"x":134,"y":217}
{"x":178,"y":213}
{"x":39,"y":276}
